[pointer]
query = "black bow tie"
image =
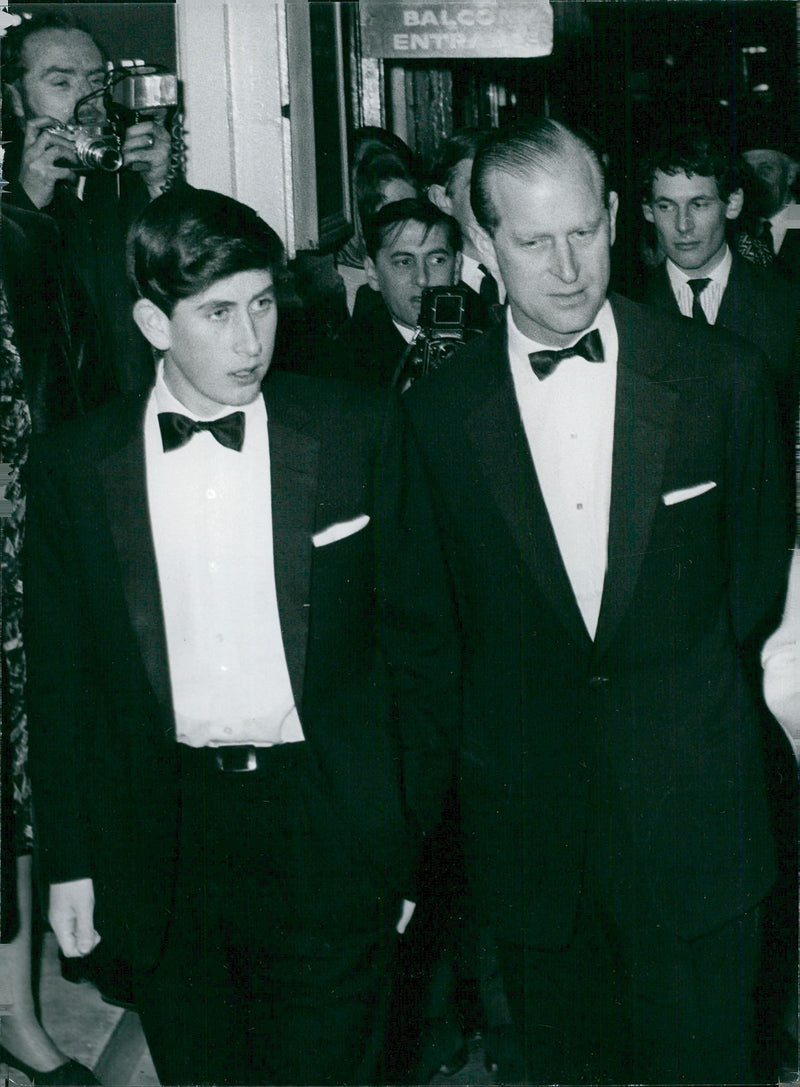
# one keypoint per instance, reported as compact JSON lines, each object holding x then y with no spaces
{"x":589,"y":346}
{"x":176,"y":429}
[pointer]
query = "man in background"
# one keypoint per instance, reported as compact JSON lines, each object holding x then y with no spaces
{"x":449,"y":190}
{"x":692,"y":194}
{"x":53,"y":69}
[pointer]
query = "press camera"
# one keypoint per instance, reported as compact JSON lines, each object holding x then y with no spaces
{"x":131,"y":92}
{"x":445,"y":323}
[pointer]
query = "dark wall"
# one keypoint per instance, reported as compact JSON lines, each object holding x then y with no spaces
{"x":144,"y":31}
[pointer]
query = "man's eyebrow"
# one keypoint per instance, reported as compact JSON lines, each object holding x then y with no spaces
{"x":57,"y":69}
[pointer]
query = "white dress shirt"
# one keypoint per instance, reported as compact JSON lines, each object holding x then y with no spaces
{"x":568,"y":419}
{"x":788,"y":218}
{"x":711,"y":297}
{"x":472,"y":273}
{"x":211,"y":516}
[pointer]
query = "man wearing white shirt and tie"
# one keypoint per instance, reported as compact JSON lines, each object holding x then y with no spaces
{"x":692,"y":194}
{"x":212,"y":738}
{"x":610,"y":520}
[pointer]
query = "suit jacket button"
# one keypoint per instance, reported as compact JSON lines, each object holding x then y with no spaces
{"x":598,"y":682}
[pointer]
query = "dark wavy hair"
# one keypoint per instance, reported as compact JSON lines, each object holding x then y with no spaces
{"x":187,"y":239}
{"x":690,"y":150}
{"x":524,"y":149}
{"x":390,"y":220}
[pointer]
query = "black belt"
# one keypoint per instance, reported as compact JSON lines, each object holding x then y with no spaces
{"x":231,"y":759}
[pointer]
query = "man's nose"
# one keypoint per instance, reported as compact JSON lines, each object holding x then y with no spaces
{"x":564,"y":265}
{"x":422,"y":274}
{"x":247,"y":342}
{"x":92,"y":110}
{"x":685,"y":220}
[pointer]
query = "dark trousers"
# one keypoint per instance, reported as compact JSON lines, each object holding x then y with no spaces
{"x":643,"y":1007}
{"x":276,"y":960}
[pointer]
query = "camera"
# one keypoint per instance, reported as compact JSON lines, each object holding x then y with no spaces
{"x":131,"y":92}
{"x":445,"y":323}
{"x":96,"y":147}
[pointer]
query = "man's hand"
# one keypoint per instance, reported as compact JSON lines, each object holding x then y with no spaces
{"x":71,"y":916}
{"x":147,"y":149}
{"x":38,"y":173}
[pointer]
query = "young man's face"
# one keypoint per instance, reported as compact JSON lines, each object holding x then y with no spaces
{"x":552,"y":244}
{"x":690,"y":219}
{"x":218,"y":344}
{"x":61,"y":67}
{"x":411,"y":258}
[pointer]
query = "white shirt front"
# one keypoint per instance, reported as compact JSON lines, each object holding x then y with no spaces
{"x":211,"y":516}
{"x":788,"y":218}
{"x":568,"y":419}
{"x":711,"y":296}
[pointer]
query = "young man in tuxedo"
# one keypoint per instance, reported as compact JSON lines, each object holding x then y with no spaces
{"x":213,"y":746}
{"x":610,"y":521}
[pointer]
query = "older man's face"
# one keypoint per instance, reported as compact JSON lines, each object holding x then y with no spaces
{"x":61,"y":67}
{"x":552,"y":243}
{"x":774,"y":171}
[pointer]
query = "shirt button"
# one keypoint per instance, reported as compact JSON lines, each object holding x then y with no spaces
{"x":579,"y":506}
{"x":228,"y":730}
{"x":213,"y":566}
{"x":223,"y":668}
{"x":211,"y":493}
{"x":220,"y":638}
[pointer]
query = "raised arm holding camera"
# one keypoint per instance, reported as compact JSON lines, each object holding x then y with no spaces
{"x":90,"y":172}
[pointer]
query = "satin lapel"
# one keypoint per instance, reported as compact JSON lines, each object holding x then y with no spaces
{"x":502,"y":454}
{"x":643,"y":417}
{"x":125,"y":483}
{"x":294,"y":469}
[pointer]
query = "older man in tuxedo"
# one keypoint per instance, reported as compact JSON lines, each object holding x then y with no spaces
{"x":212,"y":739}
{"x":605,"y":484}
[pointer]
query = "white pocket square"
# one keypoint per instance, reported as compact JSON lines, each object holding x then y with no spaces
{"x":340,"y":530}
{"x":683,"y":494}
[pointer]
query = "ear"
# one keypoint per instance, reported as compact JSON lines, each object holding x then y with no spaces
{"x":372,"y":273}
{"x":153,"y":324}
{"x":734,"y":205}
{"x":613,"y":206}
{"x":11,"y":90}
{"x":438,"y":196}
{"x":485,"y":246}
{"x":647,"y":211}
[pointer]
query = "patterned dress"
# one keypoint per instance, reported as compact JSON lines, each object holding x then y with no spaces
{"x":15,"y":429}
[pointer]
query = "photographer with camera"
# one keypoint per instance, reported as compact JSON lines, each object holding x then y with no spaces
{"x":63,"y":158}
{"x":411,"y":246}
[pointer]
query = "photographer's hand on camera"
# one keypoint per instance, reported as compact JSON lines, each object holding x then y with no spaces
{"x":146,"y":149}
{"x":41,"y":150}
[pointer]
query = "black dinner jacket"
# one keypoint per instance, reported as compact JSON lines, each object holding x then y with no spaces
{"x":102,"y":750}
{"x":761,"y":307}
{"x":637,"y":754}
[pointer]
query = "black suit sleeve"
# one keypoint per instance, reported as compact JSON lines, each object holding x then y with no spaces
{"x":420,"y":638}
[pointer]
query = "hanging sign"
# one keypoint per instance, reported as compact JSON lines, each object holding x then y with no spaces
{"x":416,"y":30}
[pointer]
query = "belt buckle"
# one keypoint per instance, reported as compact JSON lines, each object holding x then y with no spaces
{"x":251,"y":764}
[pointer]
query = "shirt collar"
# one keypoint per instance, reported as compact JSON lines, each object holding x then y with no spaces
{"x":520,"y":345}
{"x":719,"y":274}
{"x":166,"y":401}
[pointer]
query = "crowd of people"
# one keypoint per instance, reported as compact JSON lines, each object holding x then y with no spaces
{"x":354,"y":702}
